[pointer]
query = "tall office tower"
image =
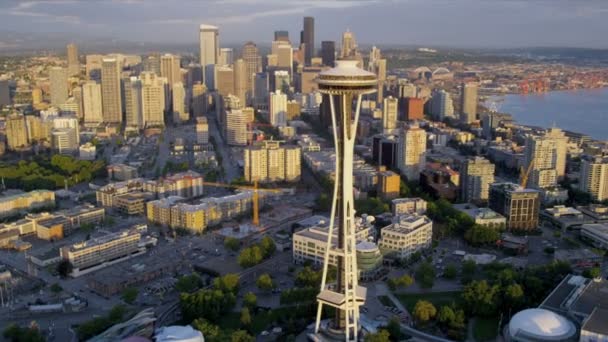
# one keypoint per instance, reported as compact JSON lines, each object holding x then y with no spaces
{"x":152,"y":63}
{"x":210,"y":76}
{"x":36,"y":95}
{"x":180,"y":114}
{"x":226,"y":56}
{"x":277,"y":109}
{"x":36,"y":128}
{"x":16,"y":132}
{"x":73,"y":63}
{"x":374,"y":57}
{"x":441,"y":105}
{"x":62,"y":140}
{"x":468,"y":102}
{"x":343,"y":84}
{"x":133,"y":103}
{"x":270,"y":162}
{"x":406,"y":89}
{"x":271,"y":61}
{"x":389,"y":114}
{"x":240,"y":80}
{"x":202,"y":130}
{"x":199,"y":99}
{"x":561,"y":145}
{"x":194,"y":75}
{"x":281,"y":36}
{"x":91,"y":100}
{"x":224,"y":77}
{"x":381,"y":74}
{"x":477,"y":175}
{"x":153,"y":99}
{"x":77,"y":98}
{"x":209,"y":49}
{"x":59,"y":85}
{"x":170,"y":69}
{"x":349,"y":45}
{"x":5,"y":94}
{"x":413,"y":108}
{"x":520,"y":206}
{"x":236,"y":127}
{"x":285,"y":57}
{"x":281,"y":80}
{"x":93,"y":66}
{"x":328,"y":52}
{"x":545,"y":156}
{"x":253,"y":62}
{"x":411,"y":154}
{"x":260,"y":91}
{"x":594,"y":177}
{"x":110,"y":90}
{"x":309,"y":39}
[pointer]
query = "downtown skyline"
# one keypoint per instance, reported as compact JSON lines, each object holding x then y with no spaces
{"x":463,"y":23}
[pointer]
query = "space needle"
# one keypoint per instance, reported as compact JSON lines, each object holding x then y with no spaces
{"x":345,"y":86}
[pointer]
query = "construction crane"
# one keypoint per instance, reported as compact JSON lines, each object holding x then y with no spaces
{"x":256,"y":204}
{"x":525,"y":174}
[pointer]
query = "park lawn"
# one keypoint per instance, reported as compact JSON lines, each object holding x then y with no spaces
{"x":438,"y":299}
{"x":485,"y":328}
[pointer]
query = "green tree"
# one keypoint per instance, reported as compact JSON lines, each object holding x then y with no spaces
{"x":56,"y":288}
{"x":450,"y":272}
{"x":381,"y":336}
{"x":241,"y":336}
{"x":481,"y":298}
{"x":479,"y":235}
{"x":469,"y":267}
{"x":394,"y":329}
{"x":211,"y":332}
{"x":129,"y":295}
{"x":208,"y":304}
{"x":514,"y":295}
{"x":424,"y":311}
{"x":446,"y":315}
{"x":250,"y":256}
{"x":425,"y":275}
{"x":400,"y":282}
{"x":189,"y":283}
{"x":250,"y":300}
{"x":245,"y":317}
{"x":265,"y":282}
{"x":64,"y":268}
{"x":227,"y":283}
{"x":307,"y":277}
{"x":593,"y":272}
{"x":267,"y":246}
{"x":15,"y":333}
{"x":232,"y":244}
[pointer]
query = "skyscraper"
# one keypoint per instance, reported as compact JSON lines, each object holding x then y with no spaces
{"x":170,"y":68}
{"x":309,"y":39}
{"x":349,"y":45}
{"x":133,"y":103}
{"x":285,"y":57}
{"x":180,"y":114}
{"x":59,"y":85}
{"x":253,"y":62}
{"x":270,"y":162}
{"x":73,"y":62}
{"x":16,"y":132}
{"x":240,"y":80}
{"x":477,"y":176}
{"x":594,"y":177}
{"x":277,"y":109}
{"x":199,"y":100}
{"x":261,"y":90}
{"x":226,"y":56}
{"x":224,"y":81}
{"x":328,"y":52}
{"x":91,"y":102}
{"x":236,"y":127}
{"x":5,"y":94}
{"x":520,"y":206}
{"x":342,"y":84}
{"x":441,"y":105}
{"x":209,"y":48}
{"x":153,"y":99}
{"x":281,"y":80}
{"x":468,"y":102}
{"x":389,"y":114}
{"x":110,"y":90}
{"x":281,"y":36}
{"x":547,"y":154}
{"x":411,"y":152}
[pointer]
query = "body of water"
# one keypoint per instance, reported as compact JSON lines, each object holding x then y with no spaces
{"x":581,"y":111}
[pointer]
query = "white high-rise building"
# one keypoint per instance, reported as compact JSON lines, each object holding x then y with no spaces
{"x":411,"y":155}
{"x":547,"y":154}
{"x":209,"y":49}
{"x":389,"y":114}
{"x":180,"y":114}
{"x":594,"y":177}
{"x":110,"y":90}
{"x":477,"y":175}
{"x":73,"y":62}
{"x":236,"y":127}
{"x":271,"y":162}
{"x":277,"y":109}
{"x":59,"y":85}
{"x":91,"y":103}
{"x":240,"y":80}
{"x":153,"y":99}
{"x":441,"y":106}
{"x":202,"y":130}
{"x":133,"y":106}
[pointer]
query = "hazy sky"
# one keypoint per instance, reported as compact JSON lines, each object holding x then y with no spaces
{"x":478,"y":23}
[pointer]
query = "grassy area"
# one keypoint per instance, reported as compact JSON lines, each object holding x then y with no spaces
{"x":485,"y":329}
{"x":437,"y":298}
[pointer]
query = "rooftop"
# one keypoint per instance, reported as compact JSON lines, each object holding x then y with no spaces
{"x":596,"y":322}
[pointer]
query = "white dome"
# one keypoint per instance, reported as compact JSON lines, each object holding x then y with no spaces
{"x":541,"y":323}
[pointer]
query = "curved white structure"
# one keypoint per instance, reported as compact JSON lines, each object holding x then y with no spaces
{"x":343,"y":84}
{"x":539,"y":325}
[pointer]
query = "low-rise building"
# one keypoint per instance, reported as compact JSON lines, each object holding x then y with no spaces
{"x":483,"y":216}
{"x":597,"y":212}
{"x":87,"y":151}
{"x":389,"y":184}
{"x":596,"y":233}
{"x":13,"y":202}
{"x":520,"y":206}
{"x":411,"y":205}
{"x":121,"y":172}
{"x":51,"y":229}
{"x":406,"y":235}
{"x":565,"y":217}
{"x":594,"y":327}
{"x":133,"y":203}
{"x":579,"y":259}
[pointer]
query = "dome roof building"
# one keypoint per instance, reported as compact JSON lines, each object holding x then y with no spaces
{"x":537,"y":325}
